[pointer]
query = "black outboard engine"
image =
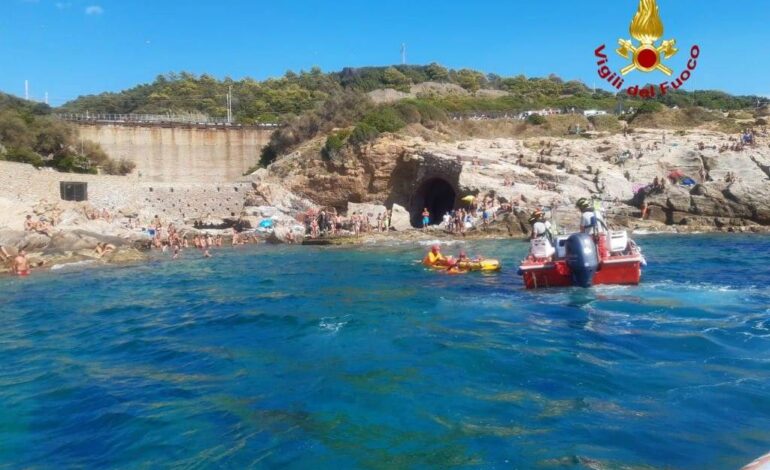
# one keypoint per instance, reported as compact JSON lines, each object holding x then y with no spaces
{"x":582,"y":259}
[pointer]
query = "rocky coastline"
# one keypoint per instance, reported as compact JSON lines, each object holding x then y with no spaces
{"x":727,"y":190}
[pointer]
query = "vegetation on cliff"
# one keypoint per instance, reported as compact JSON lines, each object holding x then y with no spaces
{"x":28,"y":134}
{"x":277,"y":99}
{"x":309,"y":104}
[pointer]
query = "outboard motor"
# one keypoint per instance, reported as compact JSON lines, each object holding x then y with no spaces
{"x":582,"y":259}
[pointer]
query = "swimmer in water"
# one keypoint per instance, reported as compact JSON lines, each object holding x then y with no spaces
{"x":20,"y":265}
{"x":434,"y":257}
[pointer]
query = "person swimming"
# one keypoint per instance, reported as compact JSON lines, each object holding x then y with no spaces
{"x":434,"y":257}
{"x":460,"y":264}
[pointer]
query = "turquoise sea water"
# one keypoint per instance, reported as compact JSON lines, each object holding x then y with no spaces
{"x":303,"y":357}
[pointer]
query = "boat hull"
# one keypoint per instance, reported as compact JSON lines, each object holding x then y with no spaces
{"x":621,"y":270}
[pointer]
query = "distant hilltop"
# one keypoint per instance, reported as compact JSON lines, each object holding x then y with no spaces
{"x":464,"y":90}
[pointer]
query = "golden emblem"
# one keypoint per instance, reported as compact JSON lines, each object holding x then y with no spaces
{"x":647,"y":28}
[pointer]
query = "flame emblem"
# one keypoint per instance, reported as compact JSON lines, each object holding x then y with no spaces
{"x":647,"y":29}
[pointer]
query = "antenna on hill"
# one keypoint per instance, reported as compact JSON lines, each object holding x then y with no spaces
{"x":230,"y":104}
{"x":403,"y":53}
{"x":26,"y":90}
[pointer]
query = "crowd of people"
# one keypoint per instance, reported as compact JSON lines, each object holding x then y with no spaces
{"x":326,"y":223}
{"x":41,"y":225}
{"x":479,"y":213}
{"x":747,"y":138}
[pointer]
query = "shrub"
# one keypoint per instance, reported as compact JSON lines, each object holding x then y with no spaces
{"x":340,"y":110}
{"x":430,"y":113}
{"x":94,"y":153}
{"x":120,"y":167}
{"x":335,"y":142}
{"x":24,"y":155}
{"x":536,"y":120}
{"x":384,"y":119}
{"x":649,"y":107}
{"x":760,"y":122}
{"x":73,"y":164}
{"x":409,"y":112}
{"x":605,"y":123}
{"x":363,"y":133}
{"x":268,"y":155}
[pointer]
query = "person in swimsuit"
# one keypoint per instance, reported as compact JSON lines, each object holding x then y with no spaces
{"x":104,"y":248}
{"x":20,"y":265}
{"x":425,"y":217}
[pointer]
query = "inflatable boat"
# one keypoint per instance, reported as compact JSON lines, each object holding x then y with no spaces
{"x":583,"y":260}
{"x":486,"y":265}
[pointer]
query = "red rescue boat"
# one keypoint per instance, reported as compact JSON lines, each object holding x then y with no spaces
{"x":583,"y":260}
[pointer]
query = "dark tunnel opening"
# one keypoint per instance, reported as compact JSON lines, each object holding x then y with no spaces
{"x":435,"y":194}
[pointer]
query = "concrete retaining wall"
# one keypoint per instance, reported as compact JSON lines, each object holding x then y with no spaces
{"x":181,"y":154}
{"x":22,"y":186}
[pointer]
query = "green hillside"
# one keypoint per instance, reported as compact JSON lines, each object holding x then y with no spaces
{"x":274,"y":99}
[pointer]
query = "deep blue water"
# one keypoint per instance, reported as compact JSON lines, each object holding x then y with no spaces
{"x":304,"y":357}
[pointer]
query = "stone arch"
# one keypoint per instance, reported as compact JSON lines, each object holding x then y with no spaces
{"x":438,"y":195}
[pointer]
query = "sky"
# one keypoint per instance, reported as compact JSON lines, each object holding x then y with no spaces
{"x":69,"y":48}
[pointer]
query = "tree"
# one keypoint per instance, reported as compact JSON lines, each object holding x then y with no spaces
{"x":437,"y":73}
{"x":470,"y":79}
{"x":391,"y":76}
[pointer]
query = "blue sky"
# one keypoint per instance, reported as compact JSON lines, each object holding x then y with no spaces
{"x":74,"y":47}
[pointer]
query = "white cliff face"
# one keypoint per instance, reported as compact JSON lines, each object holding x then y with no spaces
{"x":554,"y":172}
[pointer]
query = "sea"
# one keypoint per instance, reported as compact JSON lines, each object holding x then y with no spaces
{"x":340,"y":357}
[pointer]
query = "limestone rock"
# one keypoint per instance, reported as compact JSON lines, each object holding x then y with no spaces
{"x":657,"y":213}
{"x":755,"y":199}
{"x":678,"y":199}
{"x":282,"y":234}
{"x":128,"y":255}
{"x":372,"y":210}
{"x":400,"y":219}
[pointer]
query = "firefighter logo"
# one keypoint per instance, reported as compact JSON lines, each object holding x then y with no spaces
{"x":647,"y":29}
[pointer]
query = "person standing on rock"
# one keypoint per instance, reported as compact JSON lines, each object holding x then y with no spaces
{"x":4,"y":256}
{"x":20,"y":265}
{"x":425,"y":217}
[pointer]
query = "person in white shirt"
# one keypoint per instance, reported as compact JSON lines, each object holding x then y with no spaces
{"x":591,"y":221}
{"x":541,"y":228}
{"x":542,"y":239}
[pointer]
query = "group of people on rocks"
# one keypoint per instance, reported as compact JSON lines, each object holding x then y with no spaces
{"x":486,"y":211}
{"x":330,"y":223}
{"x":96,"y":214}
{"x":41,"y":225}
{"x":168,"y":238}
{"x":747,"y":138}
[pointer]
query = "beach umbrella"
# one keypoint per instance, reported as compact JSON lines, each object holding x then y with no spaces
{"x":468,"y":199}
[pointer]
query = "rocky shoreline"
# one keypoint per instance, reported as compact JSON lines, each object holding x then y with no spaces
{"x":722,"y":187}
{"x":76,"y":246}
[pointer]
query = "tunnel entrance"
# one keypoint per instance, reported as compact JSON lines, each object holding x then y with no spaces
{"x":437,"y":195}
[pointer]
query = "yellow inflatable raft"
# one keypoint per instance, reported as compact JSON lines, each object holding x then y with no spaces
{"x":486,"y":265}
